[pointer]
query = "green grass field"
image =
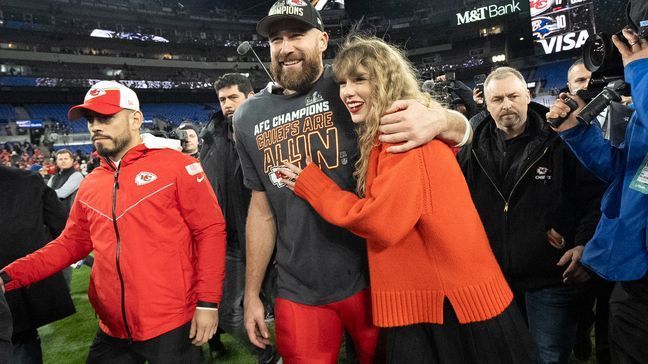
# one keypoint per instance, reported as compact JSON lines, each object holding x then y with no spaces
{"x":68,"y":340}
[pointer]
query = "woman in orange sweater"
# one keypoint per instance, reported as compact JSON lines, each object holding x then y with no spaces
{"x":436,"y":286}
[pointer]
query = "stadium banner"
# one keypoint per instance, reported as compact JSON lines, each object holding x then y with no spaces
{"x":486,"y":10}
{"x":561,"y":25}
{"x":35,"y":123}
{"x":102,"y":33}
{"x":14,"y":81}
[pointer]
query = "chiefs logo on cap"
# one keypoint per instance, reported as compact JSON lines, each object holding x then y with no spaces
{"x":95,"y":92}
{"x":296,"y":3}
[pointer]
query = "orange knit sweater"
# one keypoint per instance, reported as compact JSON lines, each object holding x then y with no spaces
{"x":425,"y":239}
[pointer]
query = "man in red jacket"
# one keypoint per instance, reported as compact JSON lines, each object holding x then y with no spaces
{"x":158,"y":236}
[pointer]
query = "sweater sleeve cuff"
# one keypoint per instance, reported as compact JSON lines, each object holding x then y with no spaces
{"x":312,"y":183}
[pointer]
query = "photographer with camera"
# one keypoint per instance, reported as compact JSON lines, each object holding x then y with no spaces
{"x":454,"y":93}
{"x":619,"y":249}
{"x":595,"y":310}
{"x":188,"y":135}
{"x":613,"y":119}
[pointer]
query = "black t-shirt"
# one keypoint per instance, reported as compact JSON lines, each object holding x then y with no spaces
{"x":318,"y":263}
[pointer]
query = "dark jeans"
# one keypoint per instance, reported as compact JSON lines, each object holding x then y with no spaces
{"x":552,"y":316}
{"x":26,"y":348}
{"x":231,"y":307}
{"x":170,"y":348}
{"x":629,"y":322}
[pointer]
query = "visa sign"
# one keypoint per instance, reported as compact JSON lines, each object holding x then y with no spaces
{"x":487,"y":12}
{"x":564,"y":42}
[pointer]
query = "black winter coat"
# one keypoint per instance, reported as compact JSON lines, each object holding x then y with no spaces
{"x":222,"y":167}
{"x":31,"y":216}
{"x":545,"y":188}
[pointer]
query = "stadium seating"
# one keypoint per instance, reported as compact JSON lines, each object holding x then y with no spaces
{"x":6,"y":112}
{"x":553,"y":75}
{"x":177,"y":113}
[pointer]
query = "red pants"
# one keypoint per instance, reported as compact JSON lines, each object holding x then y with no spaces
{"x":313,"y":334}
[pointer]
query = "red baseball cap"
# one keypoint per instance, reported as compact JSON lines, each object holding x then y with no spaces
{"x":106,"y":98}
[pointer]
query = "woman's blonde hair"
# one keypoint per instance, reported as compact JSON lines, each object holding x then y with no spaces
{"x":391,"y":76}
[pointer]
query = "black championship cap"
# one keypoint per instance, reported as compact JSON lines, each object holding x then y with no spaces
{"x":638,"y":16}
{"x":300,"y":10}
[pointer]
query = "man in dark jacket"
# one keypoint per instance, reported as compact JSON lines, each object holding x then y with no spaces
{"x":538,"y":206}
{"x":30,"y":216}
{"x":223,"y":169}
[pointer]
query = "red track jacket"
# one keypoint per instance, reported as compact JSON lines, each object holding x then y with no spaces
{"x":158,"y":237}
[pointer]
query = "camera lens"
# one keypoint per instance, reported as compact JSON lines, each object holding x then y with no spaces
{"x":600,"y":54}
{"x":594,"y":52}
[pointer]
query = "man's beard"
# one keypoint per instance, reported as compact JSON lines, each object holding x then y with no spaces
{"x":297,"y":81}
{"x":120,"y":143}
{"x":509,"y":121}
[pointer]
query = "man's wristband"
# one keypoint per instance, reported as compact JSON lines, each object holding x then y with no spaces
{"x":202,"y":305}
{"x":467,"y":132}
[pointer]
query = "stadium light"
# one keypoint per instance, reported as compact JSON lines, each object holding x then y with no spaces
{"x":498,"y":58}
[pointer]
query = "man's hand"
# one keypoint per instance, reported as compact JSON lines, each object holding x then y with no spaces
{"x":560,"y":109}
{"x":478,"y":96}
{"x":2,"y":285}
{"x":203,"y":326}
{"x":411,"y":123}
{"x":626,"y":100}
{"x":255,"y":325}
{"x":575,"y":272}
{"x":555,"y":239}
{"x":637,"y":48}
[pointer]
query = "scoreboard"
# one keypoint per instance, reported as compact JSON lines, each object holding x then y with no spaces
{"x":561,"y":25}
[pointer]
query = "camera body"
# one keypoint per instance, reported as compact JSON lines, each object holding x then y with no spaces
{"x":180,"y":135}
{"x":443,"y":91}
{"x":600,"y":55}
{"x":603,"y":59}
{"x":600,"y":102}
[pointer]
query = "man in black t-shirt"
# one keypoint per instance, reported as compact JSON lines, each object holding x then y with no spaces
{"x":322,"y":269}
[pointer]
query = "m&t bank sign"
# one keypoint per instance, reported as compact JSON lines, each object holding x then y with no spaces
{"x":487,"y":12}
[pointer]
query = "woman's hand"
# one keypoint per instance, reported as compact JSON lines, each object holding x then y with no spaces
{"x":290,"y":173}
